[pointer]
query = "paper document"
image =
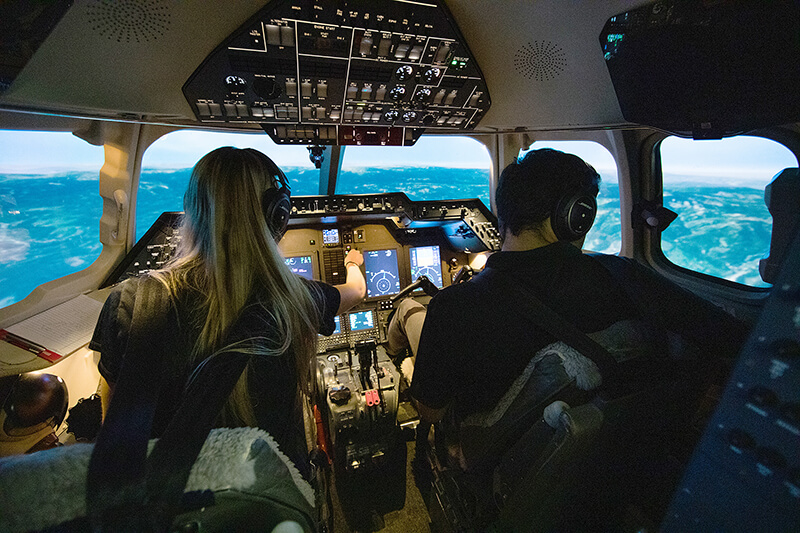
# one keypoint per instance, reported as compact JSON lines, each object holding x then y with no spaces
{"x":63,"y":328}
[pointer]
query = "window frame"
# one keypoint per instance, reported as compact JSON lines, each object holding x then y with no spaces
{"x":652,"y":253}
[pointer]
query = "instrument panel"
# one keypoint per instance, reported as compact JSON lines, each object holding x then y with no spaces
{"x":399,"y":238}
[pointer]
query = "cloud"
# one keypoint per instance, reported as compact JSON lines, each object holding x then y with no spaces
{"x":14,"y":244}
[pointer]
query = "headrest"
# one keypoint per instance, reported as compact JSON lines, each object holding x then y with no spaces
{"x":782,"y":197}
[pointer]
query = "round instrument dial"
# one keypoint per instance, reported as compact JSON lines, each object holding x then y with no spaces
{"x":405,"y":72}
{"x":397,"y":93}
{"x":431,"y":74}
{"x":235,"y":84}
{"x":422,"y":95}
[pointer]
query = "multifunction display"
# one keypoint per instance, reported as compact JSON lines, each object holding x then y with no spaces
{"x":301,"y":266}
{"x":361,"y":321}
{"x":425,"y":261}
{"x":330,"y":236}
{"x":383,"y":277}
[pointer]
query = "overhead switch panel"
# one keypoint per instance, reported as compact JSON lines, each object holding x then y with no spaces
{"x":314,"y":67}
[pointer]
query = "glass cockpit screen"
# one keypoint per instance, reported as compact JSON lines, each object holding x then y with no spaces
{"x":301,"y":266}
{"x":361,"y":320}
{"x":330,"y":236}
{"x":425,"y":261}
{"x":383,"y":277}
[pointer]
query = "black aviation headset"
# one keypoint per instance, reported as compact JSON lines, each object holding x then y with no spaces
{"x":276,"y":202}
{"x":574,"y":213}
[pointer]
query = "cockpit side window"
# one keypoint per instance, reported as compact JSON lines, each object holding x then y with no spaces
{"x":717,"y":188}
{"x":168,"y":162}
{"x":606,"y":233}
{"x":435,"y":168}
{"x":49,"y":208}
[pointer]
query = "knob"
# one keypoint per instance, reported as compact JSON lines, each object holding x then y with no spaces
{"x":266,"y":88}
{"x":403,"y":73}
{"x":431,"y":74}
{"x":340,"y":396}
{"x":397,"y":93}
{"x":391,"y":115}
{"x":428,"y":119}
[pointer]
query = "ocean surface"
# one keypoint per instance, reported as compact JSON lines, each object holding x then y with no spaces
{"x":49,"y":223}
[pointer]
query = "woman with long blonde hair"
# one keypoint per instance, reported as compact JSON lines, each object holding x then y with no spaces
{"x":228,"y":262}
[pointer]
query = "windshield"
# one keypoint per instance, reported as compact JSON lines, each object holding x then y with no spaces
{"x":168,"y":162}
{"x":435,"y":168}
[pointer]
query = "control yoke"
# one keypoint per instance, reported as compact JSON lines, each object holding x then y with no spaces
{"x":464,"y":274}
{"x":423,"y":282}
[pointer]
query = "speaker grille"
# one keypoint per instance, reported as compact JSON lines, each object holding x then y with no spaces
{"x":126,"y":21}
{"x":540,"y":60}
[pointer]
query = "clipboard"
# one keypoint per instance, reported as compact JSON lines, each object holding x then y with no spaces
{"x":32,"y":347}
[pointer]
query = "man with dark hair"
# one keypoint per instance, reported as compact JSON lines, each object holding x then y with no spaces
{"x":477,"y":341}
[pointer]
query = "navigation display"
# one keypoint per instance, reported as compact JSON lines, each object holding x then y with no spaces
{"x":361,"y":320}
{"x":425,"y":261}
{"x":301,"y":266}
{"x":330,"y":236}
{"x":383,"y":278}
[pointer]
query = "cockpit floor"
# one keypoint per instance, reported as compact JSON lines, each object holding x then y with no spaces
{"x":387,"y":498}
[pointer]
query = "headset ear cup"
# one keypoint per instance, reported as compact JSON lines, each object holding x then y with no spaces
{"x":573,"y":216}
{"x":277,"y":205}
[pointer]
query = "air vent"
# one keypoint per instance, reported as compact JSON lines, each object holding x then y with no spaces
{"x":127,"y":21}
{"x":540,"y":60}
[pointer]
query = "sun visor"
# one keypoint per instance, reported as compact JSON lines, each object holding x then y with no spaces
{"x":706,"y":69}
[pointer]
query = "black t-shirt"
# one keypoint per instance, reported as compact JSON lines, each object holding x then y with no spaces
{"x":273,"y":383}
{"x":475,"y":341}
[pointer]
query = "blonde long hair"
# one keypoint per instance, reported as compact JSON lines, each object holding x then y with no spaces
{"x":229,"y":255}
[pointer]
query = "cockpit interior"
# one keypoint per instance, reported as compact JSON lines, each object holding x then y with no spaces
{"x":343,"y":95}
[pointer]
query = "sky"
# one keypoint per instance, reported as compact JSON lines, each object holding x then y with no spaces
{"x":738,"y":161}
